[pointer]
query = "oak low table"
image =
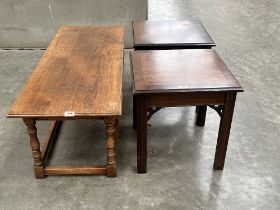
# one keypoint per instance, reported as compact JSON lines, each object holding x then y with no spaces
{"x":179,"y":78}
{"x":78,"y":77}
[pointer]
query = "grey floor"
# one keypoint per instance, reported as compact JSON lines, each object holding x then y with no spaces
{"x":180,"y":156}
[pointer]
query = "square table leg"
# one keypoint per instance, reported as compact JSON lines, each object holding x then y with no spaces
{"x":134,"y":111}
{"x":141,"y":135}
{"x":226,"y":114}
{"x":224,"y":131}
{"x":35,"y":147}
{"x":201,"y":115}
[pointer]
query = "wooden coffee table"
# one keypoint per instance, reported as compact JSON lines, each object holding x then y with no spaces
{"x":180,"y":78}
{"x":170,"y":34}
{"x":78,"y":77}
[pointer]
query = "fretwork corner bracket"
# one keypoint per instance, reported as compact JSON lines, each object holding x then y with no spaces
{"x":218,"y":108}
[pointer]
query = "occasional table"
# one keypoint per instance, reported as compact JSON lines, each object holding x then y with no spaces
{"x":180,"y":78}
{"x":78,"y":77}
{"x":170,"y":35}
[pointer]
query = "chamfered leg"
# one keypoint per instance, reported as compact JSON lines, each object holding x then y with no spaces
{"x":224,"y":131}
{"x":35,"y":147}
{"x":141,"y":135}
{"x":111,"y":144}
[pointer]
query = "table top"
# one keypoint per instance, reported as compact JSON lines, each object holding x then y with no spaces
{"x":79,"y":75}
{"x":181,"y":71}
{"x":171,"y":33}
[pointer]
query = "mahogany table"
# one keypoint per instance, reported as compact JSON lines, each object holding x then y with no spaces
{"x":170,"y":35}
{"x":78,"y":77}
{"x":180,"y":78}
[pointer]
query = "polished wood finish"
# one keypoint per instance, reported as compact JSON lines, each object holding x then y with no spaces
{"x":78,"y":77}
{"x":81,"y":72}
{"x":142,"y":109}
{"x":224,"y":131}
{"x":181,"y":78}
{"x":170,"y":34}
{"x":172,"y":99}
{"x":134,"y":111}
{"x":181,"y":71}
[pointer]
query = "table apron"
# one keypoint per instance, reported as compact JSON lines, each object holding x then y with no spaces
{"x":175,"y":99}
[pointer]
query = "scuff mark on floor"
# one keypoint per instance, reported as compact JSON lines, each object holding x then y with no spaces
{"x":51,"y":13}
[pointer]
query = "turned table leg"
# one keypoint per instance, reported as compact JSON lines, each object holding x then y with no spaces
{"x":35,"y":147}
{"x":224,"y":131}
{"x":111,"y":144}
{"x":116,"y":130}
{"x":116,"y":134}
{"x":141,"y":135}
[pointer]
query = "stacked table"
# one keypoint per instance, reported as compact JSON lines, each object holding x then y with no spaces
{"x":170,"y":69}
{"x":169,"y":34}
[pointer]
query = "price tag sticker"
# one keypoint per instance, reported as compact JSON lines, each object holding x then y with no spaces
{"x":69,"y":114}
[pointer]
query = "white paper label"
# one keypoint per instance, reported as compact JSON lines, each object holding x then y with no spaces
{"x":69,"y":114}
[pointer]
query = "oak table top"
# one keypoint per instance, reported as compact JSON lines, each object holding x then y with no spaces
{"x":183,"y":33}
{"x":181,"y":71}
{"x":80,"y":73}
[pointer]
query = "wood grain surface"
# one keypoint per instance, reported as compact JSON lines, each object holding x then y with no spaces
{"x":167,"y":33}
{"x":81,"y":72}
{"x":181,"y":71}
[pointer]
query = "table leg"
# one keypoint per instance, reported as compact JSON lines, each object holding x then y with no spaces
{"x":116,"y":130}
{"x":141,"y":135}
{"x":224,"y":131}
{"x":201,"y":115}
{"x":116,"y":134}
{"x":134,"y":111}
{"x":111,"y":144}
{"x":35,"y":147}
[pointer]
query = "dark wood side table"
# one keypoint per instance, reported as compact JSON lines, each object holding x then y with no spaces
{"x":78,"y":77}
{"x":169,"y":35}
{"x":181,"y":78}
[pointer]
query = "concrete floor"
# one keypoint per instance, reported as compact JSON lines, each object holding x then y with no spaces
{"x":180,"y":154}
